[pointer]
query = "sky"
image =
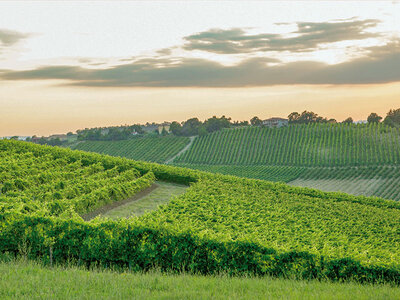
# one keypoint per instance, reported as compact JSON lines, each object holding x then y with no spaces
{"x":68,"y":65}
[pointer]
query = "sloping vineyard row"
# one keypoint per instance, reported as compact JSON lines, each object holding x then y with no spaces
{"x":385,"y":178}
{"x":155,"y":149}
{"x":299,"y":145}
{"x":30,"y":182}
{"x":220,"y":224}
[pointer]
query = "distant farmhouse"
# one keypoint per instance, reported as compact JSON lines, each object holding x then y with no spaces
{"x":163,"y":126}
{"x":275,"y":122}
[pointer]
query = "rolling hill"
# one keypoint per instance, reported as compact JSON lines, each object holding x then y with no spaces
{"x":154,"y":149}
{"x":357,"y":159}
{"x":220,"y":224}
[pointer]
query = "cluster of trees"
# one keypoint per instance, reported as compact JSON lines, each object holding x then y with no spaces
{"x":194,"y":126}
{"x":306,"y":117}
{"x":393,"y":118}
{"x":109,"y":133}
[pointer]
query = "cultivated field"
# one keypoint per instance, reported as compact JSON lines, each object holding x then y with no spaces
{"x":220,"y":224}
{"x":356,"y":159}
{"x":315,"y":145}
{"x":155,"y":149}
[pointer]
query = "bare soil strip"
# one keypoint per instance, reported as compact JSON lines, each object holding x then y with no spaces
{"x":108,"y":207}
{"x":186,"y":148}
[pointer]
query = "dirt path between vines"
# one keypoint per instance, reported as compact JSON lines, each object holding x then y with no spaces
{"x":186,"y":148}
{"x":102,"y":210}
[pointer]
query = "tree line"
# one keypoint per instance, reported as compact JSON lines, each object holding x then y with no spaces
{"x":194,"y":126}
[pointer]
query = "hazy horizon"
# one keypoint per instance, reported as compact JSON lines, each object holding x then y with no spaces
{"x":71,"y":65}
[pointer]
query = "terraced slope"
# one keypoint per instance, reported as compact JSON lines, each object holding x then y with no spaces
{"x":220,"y":224}
{"x":155,"y":149}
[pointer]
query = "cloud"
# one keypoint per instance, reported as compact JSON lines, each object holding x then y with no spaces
{"x":308,"y":37}
{"x":380,"y":65}
{"x":9,"y":38}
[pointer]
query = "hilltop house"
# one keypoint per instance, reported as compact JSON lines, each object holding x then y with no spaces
{"x":275,"y":122}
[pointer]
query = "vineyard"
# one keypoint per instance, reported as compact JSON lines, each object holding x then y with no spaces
{"x":33,"y":179}
{"x":378,"y":181}
{"x":315,"y":145}
{"x":154,"y":149}
{"x":220,"y":224}
{"x":357,"y":159}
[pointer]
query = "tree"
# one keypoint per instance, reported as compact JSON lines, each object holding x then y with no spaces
{"x":374,"y":118}
{"x":240,"y":123}
{"x":70,"y":134}
{"x":202,"y":130}
{"x":393,"y":117}
{"x":214,"y":123}
{"x":255,"y":121}
{"x":349,"y":120}
{"x":306,"y":117}
{"x":175,"y":128}
{"x":191,"y":127}
{"x":294,"y":117}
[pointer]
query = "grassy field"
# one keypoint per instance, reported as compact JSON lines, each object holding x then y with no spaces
{"x":161,"y":195}
{"x":155,"y":149}
{"x":29,"y":280}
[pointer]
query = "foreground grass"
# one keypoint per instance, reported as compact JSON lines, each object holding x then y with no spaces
{"x":150,"y":202}
{"x":29,"y":280}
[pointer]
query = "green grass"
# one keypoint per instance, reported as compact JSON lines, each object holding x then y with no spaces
{"x":154,"y":149}
{"x":150,"y":202}
{"x":29,"y":280}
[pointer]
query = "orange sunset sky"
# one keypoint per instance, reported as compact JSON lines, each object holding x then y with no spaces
{"x":71,"y":65}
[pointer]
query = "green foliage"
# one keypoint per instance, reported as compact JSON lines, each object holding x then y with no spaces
{"x":58,"y":180}
{"x":63,"y":282}
{"x":313,"y":145}
{"x":114,"y":133}
{"x":221,"y":224}
{"x":382,"y":181}
{"x":306,"y":117}
{"x":374,"y":118}
{"x":156,"y":149}
{"x":393,"y":117}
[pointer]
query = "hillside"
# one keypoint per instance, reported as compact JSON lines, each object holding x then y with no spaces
{"x":356,"y":159}
{"x":316,"y":145}
{"x":220,"y":224}
{"x":154,"y":149}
